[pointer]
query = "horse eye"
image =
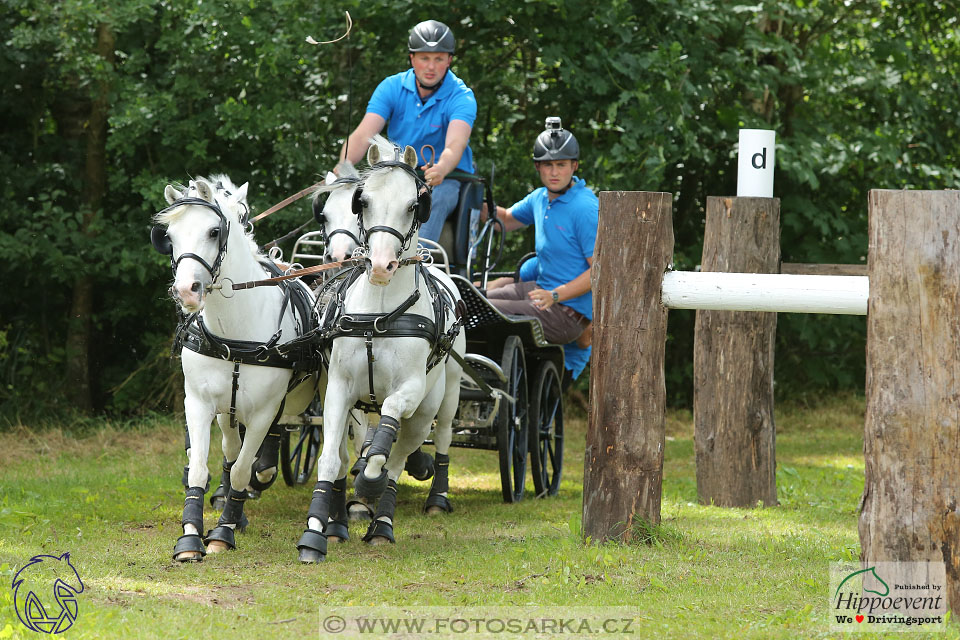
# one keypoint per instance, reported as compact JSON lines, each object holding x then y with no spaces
{"x":214,"y":232}
{"x":412,"y":207}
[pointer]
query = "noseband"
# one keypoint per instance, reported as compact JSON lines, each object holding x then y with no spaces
{"x":222,"y":235}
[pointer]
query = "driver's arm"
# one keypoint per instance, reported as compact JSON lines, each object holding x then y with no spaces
{"x":359,"y":140}
{"x":458,"y":135}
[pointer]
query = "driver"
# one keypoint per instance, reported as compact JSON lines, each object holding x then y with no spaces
{"x":426,"y":104}
{"x":564,"y":212}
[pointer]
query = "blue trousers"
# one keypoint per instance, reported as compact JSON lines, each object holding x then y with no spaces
{"x":443,"y":201}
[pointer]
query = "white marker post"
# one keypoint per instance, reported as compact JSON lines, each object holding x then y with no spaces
{"x":755,"y":163}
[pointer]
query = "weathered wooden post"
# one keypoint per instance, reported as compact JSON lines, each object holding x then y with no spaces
{"x":623,"y":469}
{"x":912,"y":431}
{"x":733,"y":362}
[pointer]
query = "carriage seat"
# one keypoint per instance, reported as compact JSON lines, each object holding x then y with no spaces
{"x":455,"y":236}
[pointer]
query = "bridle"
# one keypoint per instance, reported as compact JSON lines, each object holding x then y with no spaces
{"x":421,"y":213}
{"x":161,"y":242}
{"x":321,"y":217}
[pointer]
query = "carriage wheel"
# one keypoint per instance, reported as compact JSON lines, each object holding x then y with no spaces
{"x":512,"y":438}
{"x":298,"y":461}
{"x":546,"y":431}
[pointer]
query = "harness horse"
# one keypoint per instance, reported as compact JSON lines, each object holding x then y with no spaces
{"x":244,"y":357}
{"x":391,"y":325}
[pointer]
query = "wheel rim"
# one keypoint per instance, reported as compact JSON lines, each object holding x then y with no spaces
{"x":546,"y":455}
{"x":514,"y":431}
{"x":297,"y":462}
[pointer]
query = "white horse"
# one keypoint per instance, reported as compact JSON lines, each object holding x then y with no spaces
{"x":237,"y":345}
{"x":333,"y":210}
{"x":386,"y":325}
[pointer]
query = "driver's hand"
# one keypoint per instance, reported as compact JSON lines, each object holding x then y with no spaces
{"x":432,"y":174}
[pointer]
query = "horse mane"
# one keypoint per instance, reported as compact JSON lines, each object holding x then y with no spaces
{"x":168,"y":216}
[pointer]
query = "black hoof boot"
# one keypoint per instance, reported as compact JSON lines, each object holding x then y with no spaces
{"x":218,"y":499}
{"x":357,"y":511}
{"x":379,"y":529}
{"x":222,"y":534}
{"x":358,"y":467}
{"x":337,"y":529}
{"x":419,"y":465}
{"x":437,"y":500}
{"x":370,"y":489}
{"x":312,"y":547}
{"x":189,"y":543}
{"x":267,"y":458}
{"x":243,"y":524}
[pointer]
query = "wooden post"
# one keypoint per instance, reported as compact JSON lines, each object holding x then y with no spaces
{"x":733,"y":362}
{"x":912,"y":431}
{"x":623,"y":470}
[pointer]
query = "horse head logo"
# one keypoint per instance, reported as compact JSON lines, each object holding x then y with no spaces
{"x":41,"y":576}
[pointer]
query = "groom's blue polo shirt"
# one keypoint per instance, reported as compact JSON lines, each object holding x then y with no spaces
{"x":566,"y":231}
{"x":416,"y":122}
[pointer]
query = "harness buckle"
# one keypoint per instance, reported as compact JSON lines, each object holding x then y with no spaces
{"x":377,"y":329}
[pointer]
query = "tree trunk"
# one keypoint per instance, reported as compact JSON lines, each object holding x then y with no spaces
{"x":912,"y":432}
{"x":79,"y":328}
{"x":623,"y":469}
{"x":733,"y":362}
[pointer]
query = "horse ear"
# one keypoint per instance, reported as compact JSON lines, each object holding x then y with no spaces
{"x":331,"y":178}
{"x":242,"y":192}
{"x":373,"y":155}
{"x":410,"y":156}
{"x":171,"y":194}
{"x":204,"y":190}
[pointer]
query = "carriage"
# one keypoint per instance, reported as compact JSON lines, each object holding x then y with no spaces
{"x":510,"y":392}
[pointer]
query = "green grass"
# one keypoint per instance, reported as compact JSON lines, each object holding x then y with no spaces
{"x":110,"y":495}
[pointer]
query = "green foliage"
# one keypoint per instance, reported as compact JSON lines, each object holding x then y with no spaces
{"x":862,"y":95}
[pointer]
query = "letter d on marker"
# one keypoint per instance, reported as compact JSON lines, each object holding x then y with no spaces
{"x":755,"y":163}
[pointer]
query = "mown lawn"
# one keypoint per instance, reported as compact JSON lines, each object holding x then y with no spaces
{"x":110,"y":495}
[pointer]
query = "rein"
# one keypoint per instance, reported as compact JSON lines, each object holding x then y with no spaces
{"x":350,"y":262}
{"x":290,"y":200}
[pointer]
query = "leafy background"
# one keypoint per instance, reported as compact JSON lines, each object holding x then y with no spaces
{"x":101,"y":106}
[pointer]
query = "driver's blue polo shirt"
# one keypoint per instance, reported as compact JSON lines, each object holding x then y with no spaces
{"x":415,"y":122}
{"x":566,"y":232}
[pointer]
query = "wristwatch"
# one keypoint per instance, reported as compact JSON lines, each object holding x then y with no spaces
{"x":556,"y":296}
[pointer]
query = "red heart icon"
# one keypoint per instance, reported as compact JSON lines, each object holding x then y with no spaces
{"x":859,"y":618}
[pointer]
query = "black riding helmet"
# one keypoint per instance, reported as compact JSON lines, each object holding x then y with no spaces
{"x":431,"y":36}
{"x":555,"y":143}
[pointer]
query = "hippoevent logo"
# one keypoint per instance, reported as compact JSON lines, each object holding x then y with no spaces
{"x":45,"y":594}
{"x":888,"y":596}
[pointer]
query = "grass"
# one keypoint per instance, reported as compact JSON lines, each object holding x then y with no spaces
{"x":110,"y":495}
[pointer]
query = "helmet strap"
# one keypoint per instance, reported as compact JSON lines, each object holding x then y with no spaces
{"x":562,"y":191}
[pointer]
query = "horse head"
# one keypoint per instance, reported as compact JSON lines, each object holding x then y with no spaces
{"x":391,"y":203}
{"x":341,"y":229}
{"x":199,"y":222}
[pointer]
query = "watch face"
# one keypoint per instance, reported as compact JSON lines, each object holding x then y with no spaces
{"x":556,"y":296}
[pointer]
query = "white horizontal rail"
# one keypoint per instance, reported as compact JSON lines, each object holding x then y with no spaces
{"x":775,"y":292}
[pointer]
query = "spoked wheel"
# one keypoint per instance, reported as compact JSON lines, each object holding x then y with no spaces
{"x":546,"y":431}
{"x":512,"y":438}
{"x":298,"y":459}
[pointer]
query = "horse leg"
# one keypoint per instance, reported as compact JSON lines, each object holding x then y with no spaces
{"x":403,"y":403}
{"x":337,"y":529}
{"x":221,"y":537}
{"x":185,"y":480}
{"x":189,"y":546}
{"x":265,"y":466}
{"x":415,"y":429}
{"x":437,"y":501}
{"x":312,"y":546}
{"x":230,"y":445}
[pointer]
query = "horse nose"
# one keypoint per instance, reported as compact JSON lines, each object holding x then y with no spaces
{"x":195,"y":287}
{"x":392,"y":266}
